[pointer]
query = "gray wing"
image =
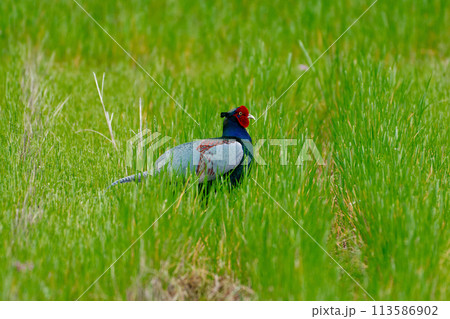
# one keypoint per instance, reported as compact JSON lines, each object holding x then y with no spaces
{"x":206,"y":158}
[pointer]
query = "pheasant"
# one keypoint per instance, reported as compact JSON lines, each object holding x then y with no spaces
{"x":226,"y":156}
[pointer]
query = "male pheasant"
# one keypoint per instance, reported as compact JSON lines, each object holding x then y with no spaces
{"x":226,"y":156}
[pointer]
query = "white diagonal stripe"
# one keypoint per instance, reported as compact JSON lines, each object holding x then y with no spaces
{"x":314,"y":240}
{"x":323,"y":53}
{"x":135,"y":61}
{"x":136,"y":240}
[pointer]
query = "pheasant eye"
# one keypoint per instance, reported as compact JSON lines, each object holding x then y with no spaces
{"x":240,"y":113}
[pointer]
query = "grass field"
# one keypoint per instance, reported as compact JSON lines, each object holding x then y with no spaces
{"x":376,"y":105}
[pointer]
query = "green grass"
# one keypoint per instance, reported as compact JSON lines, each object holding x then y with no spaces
{"x":376,"y":105}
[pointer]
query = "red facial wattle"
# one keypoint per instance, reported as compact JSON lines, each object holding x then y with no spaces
{"x":241,"y":115}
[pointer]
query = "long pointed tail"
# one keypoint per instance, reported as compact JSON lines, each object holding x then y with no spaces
{"x":130,"y":179}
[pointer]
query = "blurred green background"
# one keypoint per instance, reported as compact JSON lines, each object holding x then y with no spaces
{"x":376,"y":105}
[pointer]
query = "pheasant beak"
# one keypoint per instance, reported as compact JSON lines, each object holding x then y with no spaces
{"x":251,"y":117}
